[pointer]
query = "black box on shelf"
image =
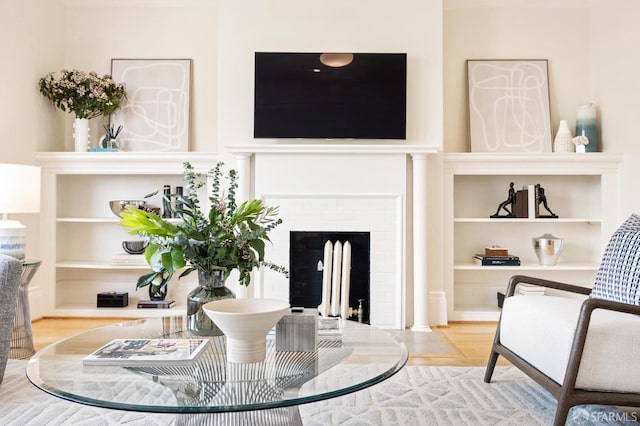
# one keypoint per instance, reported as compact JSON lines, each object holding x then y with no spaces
{"x":113,"y":299}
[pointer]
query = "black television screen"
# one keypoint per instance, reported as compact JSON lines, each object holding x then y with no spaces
{"x":300,"y":95}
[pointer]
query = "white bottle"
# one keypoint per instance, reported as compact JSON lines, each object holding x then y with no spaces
{"x":563,"y":141}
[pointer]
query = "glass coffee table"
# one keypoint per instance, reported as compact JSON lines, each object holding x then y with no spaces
{"x":210,"y":390}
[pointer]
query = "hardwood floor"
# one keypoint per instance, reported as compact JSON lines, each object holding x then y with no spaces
{"x":460,"y":344}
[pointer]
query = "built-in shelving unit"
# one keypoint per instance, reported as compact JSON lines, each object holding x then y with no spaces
{"x":80,"y":236}
{"x":580,"y":188}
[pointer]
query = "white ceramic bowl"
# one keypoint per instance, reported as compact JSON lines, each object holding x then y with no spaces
{"x":245,"y":323}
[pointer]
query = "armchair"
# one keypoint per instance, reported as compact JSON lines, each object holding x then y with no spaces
{"x":580,"y":344}
{"x":10,"y":271}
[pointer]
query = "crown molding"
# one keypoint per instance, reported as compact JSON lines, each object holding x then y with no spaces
{"x":515,"y":4}
{"x":141,"y":3}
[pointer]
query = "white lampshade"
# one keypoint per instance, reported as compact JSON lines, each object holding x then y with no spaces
{"x":19,"y":188}
{"x":19,"y":193}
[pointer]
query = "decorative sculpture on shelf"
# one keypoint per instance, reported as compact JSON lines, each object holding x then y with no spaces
{"x":510,"y":201}
{"x":542,"y":199}
{"x":581,"y":142}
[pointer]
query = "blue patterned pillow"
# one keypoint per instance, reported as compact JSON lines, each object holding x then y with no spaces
{"x":618,"y":277}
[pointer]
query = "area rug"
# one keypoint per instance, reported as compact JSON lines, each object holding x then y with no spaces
{"x":417,"y":395}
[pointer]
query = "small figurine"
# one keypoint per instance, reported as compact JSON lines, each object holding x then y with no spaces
{"x":580,"y":142}
{"x":511,"y":200}
{"x":542,"y":199}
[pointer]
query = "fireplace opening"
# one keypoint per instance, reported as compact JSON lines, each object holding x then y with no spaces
{"x":306,"y":263}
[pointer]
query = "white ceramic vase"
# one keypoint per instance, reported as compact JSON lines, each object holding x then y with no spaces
{"x":586,"y":125}
{"x":563,"y":141}
{"x":81,"y":134}
{"x":245,"y":323}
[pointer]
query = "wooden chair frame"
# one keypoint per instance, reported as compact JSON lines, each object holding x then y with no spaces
{"x":566,"y":394}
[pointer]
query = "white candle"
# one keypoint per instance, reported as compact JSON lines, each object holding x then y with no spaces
{"x":335,"y":280}
{"x":346,"y":280}
{"x":326,"y":279}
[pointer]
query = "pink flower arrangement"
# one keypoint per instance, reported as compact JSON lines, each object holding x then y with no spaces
{"x":87,"y":95}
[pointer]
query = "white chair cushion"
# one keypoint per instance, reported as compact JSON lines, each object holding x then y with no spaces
{"x":540,"y":329}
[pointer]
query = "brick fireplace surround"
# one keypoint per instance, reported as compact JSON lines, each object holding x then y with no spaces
{"x":380,"y":189}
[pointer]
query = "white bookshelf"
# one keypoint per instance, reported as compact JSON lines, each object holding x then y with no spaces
{"x":80,"y":236}
{"x":581,"y":189}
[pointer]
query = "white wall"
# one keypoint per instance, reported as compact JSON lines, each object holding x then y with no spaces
{"x":517,"y":30}
{"x":32,"y":42}
{"x":592,"y":50}
{"x":32,"y":34}
{"x":99,"y":30}
{"x":590,"y":46}
{"x":221,"y":37}
{"x":615,"y":59}
{"x":411,"y":26}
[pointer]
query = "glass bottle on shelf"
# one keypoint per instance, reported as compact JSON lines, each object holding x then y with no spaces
{"x":179,"y":193}
{"x":166,"y":202}
{"x":586,"y":125}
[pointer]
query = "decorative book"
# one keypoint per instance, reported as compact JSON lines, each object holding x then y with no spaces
{"x":496,"y":260}
{"x":147,"y":352}
{"x":496,"y":251}
{"x":157,"y":304}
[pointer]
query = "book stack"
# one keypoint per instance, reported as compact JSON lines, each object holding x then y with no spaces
{"x":329,"y":329}
{"x":496,"y":256}
{"x":145,"y":352}
{"x":506,"y":260}
{"x":158,"y":304}
{"x":530,"y":289}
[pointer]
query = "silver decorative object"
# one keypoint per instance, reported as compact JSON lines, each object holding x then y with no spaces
{"x":135,"y":246}
{"x":547,"y":248}
{"x":119,"y":206}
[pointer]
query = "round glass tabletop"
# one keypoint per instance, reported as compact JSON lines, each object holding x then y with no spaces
{"x":352,"y":359}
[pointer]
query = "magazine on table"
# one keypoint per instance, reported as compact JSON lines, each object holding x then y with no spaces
{"x":147,"y":352}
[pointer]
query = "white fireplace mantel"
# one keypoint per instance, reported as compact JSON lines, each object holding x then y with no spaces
{"x":330,"y":148}
{"x":329,"y":155}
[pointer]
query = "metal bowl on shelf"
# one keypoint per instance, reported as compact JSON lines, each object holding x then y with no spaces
{"x":119,"y":206}
{"x":135,"y":246}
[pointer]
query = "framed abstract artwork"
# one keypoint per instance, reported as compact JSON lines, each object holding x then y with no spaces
{"x":156,"y":114}
{"x":508,"y":105}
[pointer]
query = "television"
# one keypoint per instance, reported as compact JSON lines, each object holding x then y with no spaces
{"x":330,"y":95}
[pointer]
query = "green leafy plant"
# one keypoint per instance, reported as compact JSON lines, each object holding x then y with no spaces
{"x":87,"y":95}
{"x":229,"y":237}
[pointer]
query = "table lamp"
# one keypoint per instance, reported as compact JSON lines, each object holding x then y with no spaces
{"x":19,"y":193}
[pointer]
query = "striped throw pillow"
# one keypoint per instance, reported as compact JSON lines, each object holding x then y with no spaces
{"x":618,"y":277}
